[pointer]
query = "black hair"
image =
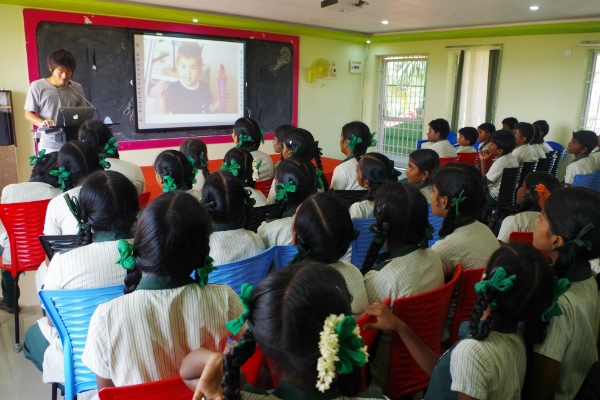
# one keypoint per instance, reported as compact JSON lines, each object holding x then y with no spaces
{"x":230,"y":199}
{"x":537,"y":134}
{"x":61,"y":58}
{"x":440,"y":126}
{"x":79,"y":159}
{"x":190,"y":50}
{"x":360,"y":130}
{"x":426,"y":160}
{"x":245,"y":160}
{"x":97,"y":134}
{"x":369,"y":166}
{"x":543,"y":126}
{"x":248,"y":127}
{"x":526,"y":130}
{"x":510,"y":122}
{"x":470,"y":134}
{"x":505,"y":140}
{"x":302,"y":144}
{"x":41,"y":170}
{"x":324,"y":227}
{"x":406,"y":211}
{"x":487,"y":127}
{"x":587,"y":139}
{"x":534,"y":179}
{"x":287,"y":312}
{"x":196,"y":149}
{"x":568,"y":210}
{"x":177,"y":166}
{"x":452,"y":179}
{"x":530,"y":296}
{"x":171,"y":238}
{"x":302,"y":174}
{"x":282,"y":130}
{"x":109,"y":202}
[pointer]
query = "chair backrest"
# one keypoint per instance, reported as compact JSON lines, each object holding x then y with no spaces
{"x":283,"y":255}
{"x":54,"y":244}
{"x":490,"y":161}
{"x":436,"y":222}
{"x":172,"y":389}
{"x":351,"y":196}
{"x":509,"y":185}
{"x":466,"y":299}
{"x":420,"y":143}
{"x":448,"y":160}
{"x":584,"y":180}
{"x":250,"y":270}
{"x":527,"y":168}
{"x":361,"y":244}
{"x":24,"y":223}
{"x":523,"y":237}
{"x":545,"y":164}
{"x":596,"y":182}
{"x":259,"y":215}
{"x":369,"y":335}
{"x":264,"y":186}
{"x":555,"y":146}
{"x":70,"y":312}
{"x":468,"y":158}
{"x":425,"y":314}
{"x":559,"y":157}
{"x":144,"y":199}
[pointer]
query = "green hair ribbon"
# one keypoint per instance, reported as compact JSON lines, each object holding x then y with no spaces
{"x":353,"y":142}
{"x":233,"y":167}
{"x":203,"y":161}
{"x":243,"y":342}
{"x":235,"y":325}
{"x":498,"y":283}
{"x":283,"y":190}
{"x":169,"y":183}
{"x":561,"y":286}
{"x":62,"y":176}
{"x":381,"y":178}
{"x":103,"y":163}
{"x":568,"y":251}
{"x":207,"y":205}
{"x":350,"y":352}
{"x":243,"y":138}
{"x":380,"y":233}
{"x":33,"y":160}
{"x":248,"y":200}
{"x":194,"y":170}
{"x":373,"y":141}
{"x":319,"y":174}
{"x":203,"y":272}
{"x":427,"y":236}
{"x":457,"y":201}
{"x":112,"y":146}
{"x":75,"y":208}
{"x":303,"y":252}
{"x":262,"y":136}
{"x":127,"y":259}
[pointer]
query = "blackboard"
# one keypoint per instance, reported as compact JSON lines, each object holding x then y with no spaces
{"x":269,"y":78}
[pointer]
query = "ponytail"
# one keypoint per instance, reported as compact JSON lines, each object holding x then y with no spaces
{"x":132,"y":279}
{"x":232,"y":363}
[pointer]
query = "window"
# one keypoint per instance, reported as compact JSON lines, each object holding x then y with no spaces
{"x":401,"y":105}
{"x":590,"y":121}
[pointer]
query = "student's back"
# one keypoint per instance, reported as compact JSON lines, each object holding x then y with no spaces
{"x":248,"y":136}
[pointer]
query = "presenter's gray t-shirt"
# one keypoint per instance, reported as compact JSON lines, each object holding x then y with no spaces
{"x":44,"y":99}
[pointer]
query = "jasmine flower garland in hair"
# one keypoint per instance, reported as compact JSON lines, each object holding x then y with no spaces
{"x":256,"y":169}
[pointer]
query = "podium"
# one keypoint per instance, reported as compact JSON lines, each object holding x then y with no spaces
{"x":62,"y":134}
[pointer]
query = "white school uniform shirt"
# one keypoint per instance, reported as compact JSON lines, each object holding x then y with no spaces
{"x":362,"y":209}
{"x":546,"y":147}
{"x":571,"y":338}
{"x":491,"y":369}
{"x":344,"y":175}
{"x":86,"y":267}
{"x":356,"y":286}
{"x":427,"y":191}
{"x":131,"y":171}
{"x":540,"y":153}
{"x":581,"y":165}
{"x":494,"y":174}
{"x":266,"y":170}
{"x":277,"y":232}
{"x":59,"y":219}
{"x":195,"y":193}
{"x":230,"y":243}
{"x":524,"y":153}
{"x":34,"y":190}
{"x":466,"y":149}
{"x":257,"y":195}
{"x":596,"y":157}
{"x":443,"y":148}
{"x":595,"y":264}
{"x":521,"y":222}
{"x":143,"y":336}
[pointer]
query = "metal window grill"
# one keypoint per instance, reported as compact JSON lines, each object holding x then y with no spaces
{"x":591,"y":112}
{"x":401,"y":105}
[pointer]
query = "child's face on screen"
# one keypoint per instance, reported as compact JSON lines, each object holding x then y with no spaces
{"x":189,"y":70}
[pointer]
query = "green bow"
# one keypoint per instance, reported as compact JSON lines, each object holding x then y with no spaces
{"x":355,"y":234}
{"x":75,"y":208}
{"x":194,"y":170}
{"x":498,"y":283}
{"x":457,"y":201}
{"x":262,"y":136}
{"x":302,"y":253}
{"x":169,"y":183}
{"x":350,"y":352}
{"x":319,"y":174}
{"x":380,"y":233}
{"x":33,"y":160}
{"x":282,"y":193}
{"x":569,"y":250}
{"x":353,"y":142}
{"x":203,"y":161}
{"x":62,"y":175}
{"x":427,"y":236}
{"x":127,"y":259}
{"x":249,"y":201}
{"x":233,"y":167}
{"x":203,"y":272}
{"x":112,"y":146}
{"x":235,"y":325}
{"x":373,"y":141}
{"x":207,"y":205}
{"x":244,"y":138}
{"x":381,"y":178}
{"x":561,"y":286}
{"x":103,"y":163}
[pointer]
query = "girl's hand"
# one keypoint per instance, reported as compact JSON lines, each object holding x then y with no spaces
{"x":209,"y":384}
{"x":484,"y":155}
{"x":385,"y":319}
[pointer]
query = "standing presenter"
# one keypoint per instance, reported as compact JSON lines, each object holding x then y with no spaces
{"x":46,"y":96}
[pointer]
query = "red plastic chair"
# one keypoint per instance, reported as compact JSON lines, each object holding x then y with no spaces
{"x":425,"y":314}
{"x":466,"y":299}
{"x":264,"y":186}
{"x":253,"y":366}
{"x":448,"y":160}
{"x":172,"y":389}
{"x":527,"y":238}
{"x":468,"y":158}
{"x":144,"y":199}
{"x":24,"y":223}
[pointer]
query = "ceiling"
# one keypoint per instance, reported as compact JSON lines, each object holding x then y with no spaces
{"x":403,"y":15}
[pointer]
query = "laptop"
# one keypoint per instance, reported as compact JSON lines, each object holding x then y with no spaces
{"x":74,"y":116}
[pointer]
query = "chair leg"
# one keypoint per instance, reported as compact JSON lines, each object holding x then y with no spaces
{"x":17,"y":346}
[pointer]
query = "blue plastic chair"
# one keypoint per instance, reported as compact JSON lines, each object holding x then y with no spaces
{"x":476,"y":145}
{"x":361,"y":245}
{"x":70,"y":311}
{"x":420,"y":142}
{"x":436,"y":222}
{"x":596,"y":182}
{"x":586,"y":181}
{"x":452,"y":138}
{"x":556,"y":147}
{"x":250,"y":270}
{"x":283,"y":255}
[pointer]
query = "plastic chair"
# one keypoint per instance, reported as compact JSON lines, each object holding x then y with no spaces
{"x":546,"y":164}
{"x":527,"y":168}
{"x":251,"y":271}
{"x":559,"y":157}
{"x":144,"y":199}
{"x":71,"y":312}
{"x":368,"y":335}
{"x":351,"y":196}
{"x":425,"y":314}
{"x":527,"y":238}
{"x":507,"y":196}
{"x":420,"y":143}
{"x":584,"y":180}
{"x":448,"y":160}
{"x":253,"y":366}
{"x":283,"y":255}
{"x":436,"y":222}
{"x":468,"y":158}
{"x":264,"y":186}
{"x":555,"y":146}
{"x":172,"y":389}
{"x":361,"y":245}
{"x":55,"y":244}
{"x":259,"y":215}
{"x":24,"y":223}
{"x":466,"y":299}
{"x":596,"y":183}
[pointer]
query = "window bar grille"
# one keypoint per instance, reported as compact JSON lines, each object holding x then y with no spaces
{"x":591,"y":111}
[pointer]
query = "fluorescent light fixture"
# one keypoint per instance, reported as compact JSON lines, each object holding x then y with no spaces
{"x":194,"y":20}
{"x":534,"y":8}
{"x":384,"y":22}
{"x":368,"y":41}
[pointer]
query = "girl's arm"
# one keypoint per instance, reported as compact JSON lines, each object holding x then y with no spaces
{"x":483,"y":157}
{"x":103,"y":382}
{"x":423,"y":355}
{"x":193,"y":366}
{"x":542,"y":376}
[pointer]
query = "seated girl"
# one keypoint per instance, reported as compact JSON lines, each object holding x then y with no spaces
{"x":278,"y":136}
{"x":175,"y":172}
{"x":97,"y":134}
{"x":531,"y":197}
{"x":322,"y":231}
{"x":229,"y":207}
{"x":144,"y":336}
{"x":107,"y":209}
{"x":241,"y":164}
{"x":287,"y":312}
{"x":355,"y":139}
{"x":373,"y":171}
{"x":198,"y":152}
{"x":421,"y":165}
{"x":248,"y":136}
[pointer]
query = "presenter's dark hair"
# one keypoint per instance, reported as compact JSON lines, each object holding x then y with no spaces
{"x":196,"y":149}
{"x":95,"y":133}
{"x":79,"y":159}
{"x":440,"y":126}
{"x":177,"y":166}
{"x":42,"y":169}
{"x":248,"y":127}
{"x":61,"y":58}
